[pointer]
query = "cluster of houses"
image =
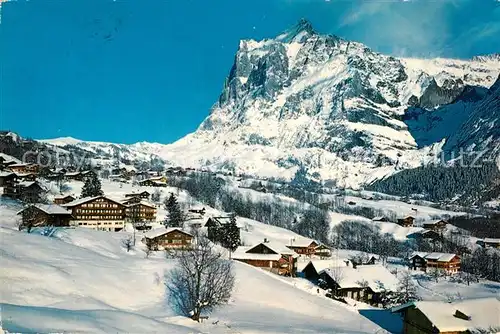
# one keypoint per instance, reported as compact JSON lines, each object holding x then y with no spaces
{"x":99,"y":212}
{"x":18,"y":179}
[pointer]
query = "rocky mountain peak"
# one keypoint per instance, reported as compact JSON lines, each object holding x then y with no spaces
{"x":299,"y":33}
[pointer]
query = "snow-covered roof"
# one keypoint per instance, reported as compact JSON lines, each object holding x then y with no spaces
{"x":27,"y":184}
{"x":379,"y":218}
{"x":9,"y":158}
{"x":51,"y":209}
{"x":419,"y":254}
{"x":440,"y":257}
{"x":320,"y":265}
{"x":300,"y":242}
{"x":162,"y":231}
{"x":276,"y":247}
{"x":63,"y":196}
{"x":5,"y":174}
{"x":80,"y":201}
{"x":20,"y":165}
{"x":145,"y":203}
{"x":255,"y":256}
{"x":378,"y":277}
{"x":483,"y":313}
{"x":434,"y":222}
{"x":492,"y":240}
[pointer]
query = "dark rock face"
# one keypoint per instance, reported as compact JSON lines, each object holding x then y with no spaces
{"x":435,"y":95}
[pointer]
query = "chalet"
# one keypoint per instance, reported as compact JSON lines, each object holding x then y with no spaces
{"x":143,"y":195}
{"x":312,"y":268}
{"x":303,"y":246}
{"x":8,"y":179}
{"x":364,"y":283}
{"x":380,"y":219}
{"x":322,"y":251}
{"x":160,"y":181}
{"x":449,"y":263}
{"x":274,"y":257}
{"x":178,"y":171}
{"x":427,"y":235}
{"x":362,"y":258}
{"x":417,"y":261}
{"x":9,"y":183}
{"x":64,"y":199}
{"x":407,"y":221}
{"x":141,"y":211}
{"x":78,"y":176}
{"x":169,"y":238}
{"x":491,"y":242}
{"x":29,"y":191}
{"x":45,"y":215}
{"x":98,"y":213}
{"x":213,"y":224}
{"x":465,"y":316}
{"x":436,"y":226}
{"x":22,"y":168}
{"x":197,"y":211}
{"x":7,"y":160}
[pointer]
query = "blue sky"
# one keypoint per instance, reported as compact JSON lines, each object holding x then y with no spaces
{"x":150,"y":70}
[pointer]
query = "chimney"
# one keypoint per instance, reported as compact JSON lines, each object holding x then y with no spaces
{"x":265,"y":240}
{"x":461,"y":315}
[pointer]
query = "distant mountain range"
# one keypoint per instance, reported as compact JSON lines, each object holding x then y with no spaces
{"x":334,"y":108}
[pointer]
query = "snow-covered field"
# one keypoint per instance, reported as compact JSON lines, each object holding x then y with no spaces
{"x":84,"y":281}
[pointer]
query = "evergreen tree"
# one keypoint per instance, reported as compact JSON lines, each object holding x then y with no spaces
{"x":175,"y":217}
{"x":156,"y":196}
{"x":229,"y":235}
{"x":406,"y":292}
{"x":92,"y":186}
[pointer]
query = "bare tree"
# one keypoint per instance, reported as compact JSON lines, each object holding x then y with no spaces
{"x":151,"y":246}
{"x":201,"y":281}
{"x":128,"y":243}
{"x":156,"y":196}
{"x":337,"y":274}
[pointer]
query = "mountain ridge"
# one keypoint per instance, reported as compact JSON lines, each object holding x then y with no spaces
{"x":304,"y":100}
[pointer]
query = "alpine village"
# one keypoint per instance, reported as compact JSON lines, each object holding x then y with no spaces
{"x":352,"y":277}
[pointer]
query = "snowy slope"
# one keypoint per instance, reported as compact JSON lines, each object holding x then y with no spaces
{"x":84,"y":281}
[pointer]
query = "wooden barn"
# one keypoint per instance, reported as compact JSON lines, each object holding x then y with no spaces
{"x":274,"y":257}
{"x":303,"y":246}
{"x":64,"y":199}
{"x":436,"y":226}
{"x":366,"y":283}
{"x":142,"y":195}
{"x":45,"y":215}
{"x":479,"y":315}
{"x":168,"y":238}
{"x":491,"y":242}
{"x":407,"y":221}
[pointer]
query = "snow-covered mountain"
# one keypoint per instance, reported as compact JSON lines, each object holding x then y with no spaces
{"x":331,"y":106}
